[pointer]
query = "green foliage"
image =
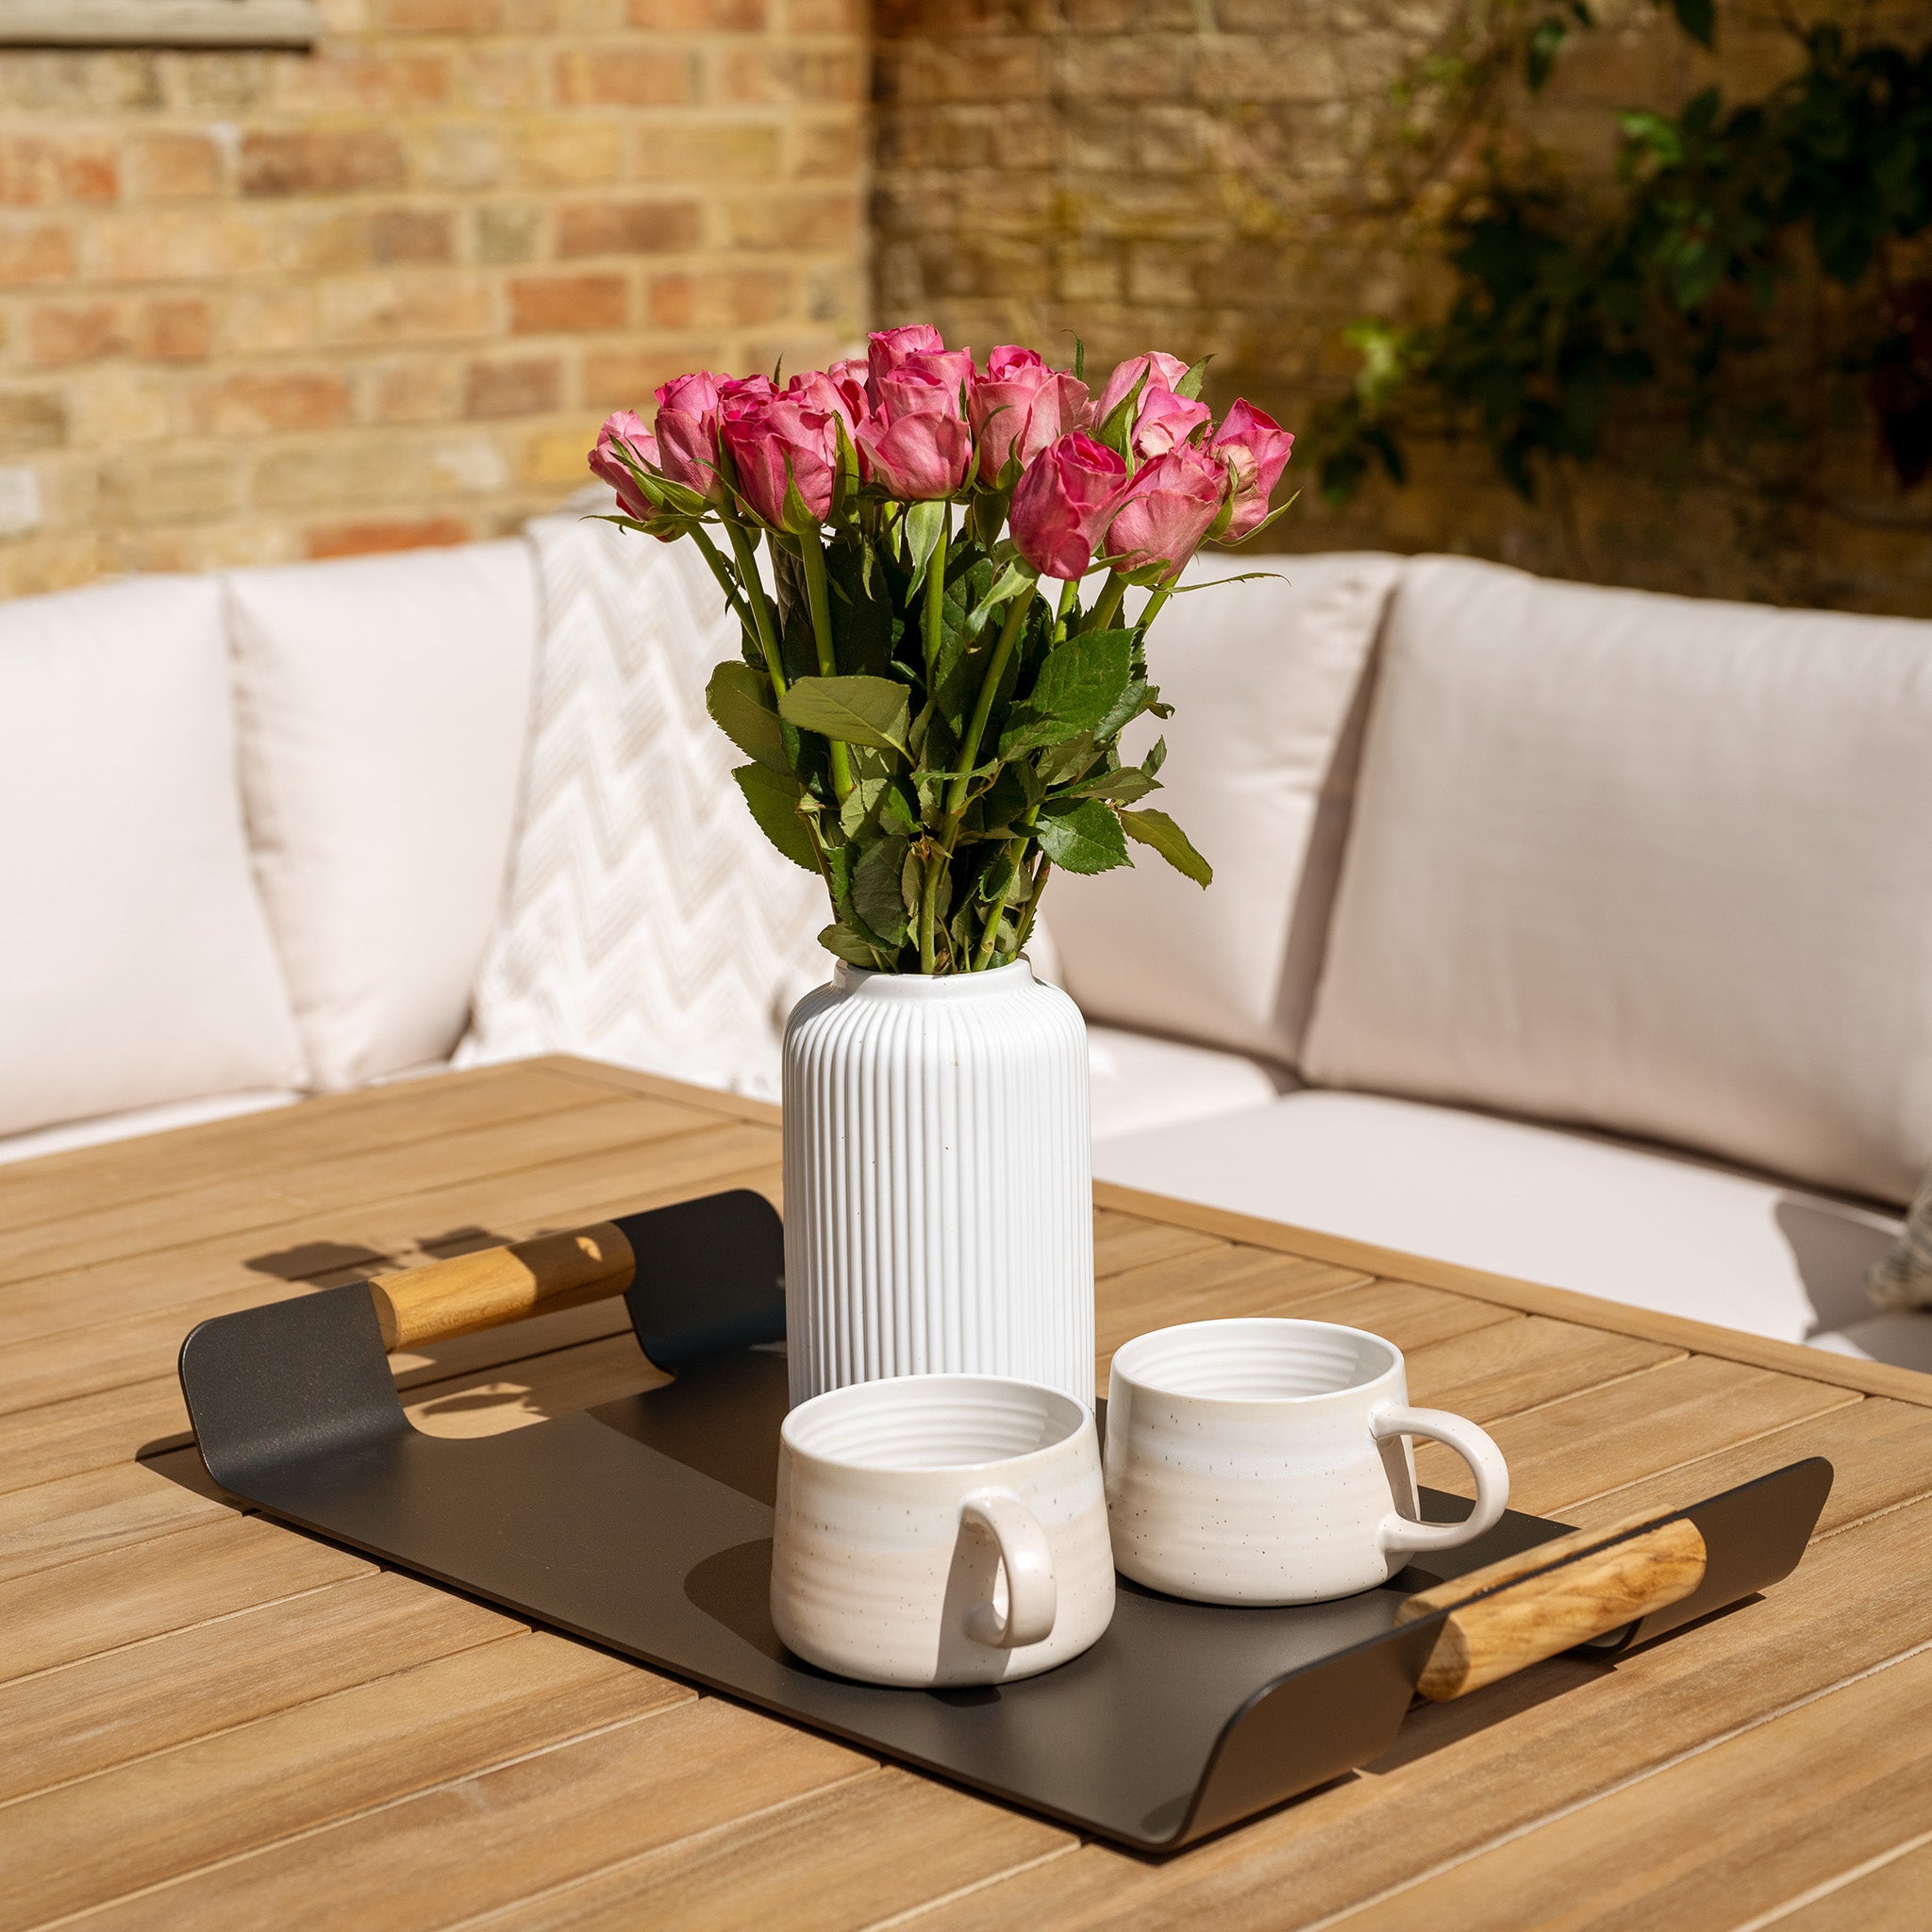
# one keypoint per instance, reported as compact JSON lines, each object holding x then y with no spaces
{"x":1567,"y":317}
{"x":967,"y":781}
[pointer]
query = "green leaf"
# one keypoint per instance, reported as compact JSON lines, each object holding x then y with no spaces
{"x":1156,"y":829}
{"x":859,"y":711}
{"x":1062,"y":762}
{"x":1079,"y":359}
{"x":1080,"y":685}
{"x":875,"y":895}
{"x":1120,"y":419}
{"x":925,"y":524}
{"x":1190,"y":384}
{"x":1120,"y":788}
{"x":1540,"y":56}
{"x":1138,"y":697}
{"x":740,"y":702}
{"x":774,"y":801}
{"x":1081,"y":834}
{"x":843,"y":943}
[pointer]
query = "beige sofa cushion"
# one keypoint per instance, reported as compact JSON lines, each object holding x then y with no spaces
{"x":1265,"y":678}
{"x":383,"y":704}
{"x":137,"y":965}
{"x":1647,"y":863}
{"x":1549,"y":1204}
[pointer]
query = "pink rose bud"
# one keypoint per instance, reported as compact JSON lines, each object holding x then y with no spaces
{"x":849,"y":377}
{"x":625,"y":429}
{"x":915,"y":445}
{"x":687,"y":431}
{"x":778,"y":440}
{"x":1161,"y":370}
{"x":1170,"y":507}
{"x":1164,"y":421}
{"x":739,"y":394}
{"x":1063,"y":502}
{"x":816,"y":391}
{"x":1255,"y":449}
{"x":887,"y":348}
{"x":1020,"y":405}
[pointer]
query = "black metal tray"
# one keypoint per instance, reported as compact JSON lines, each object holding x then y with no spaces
{"x":646,"y":1526}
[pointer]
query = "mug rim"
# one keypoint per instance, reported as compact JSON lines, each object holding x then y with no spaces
{"x":1127,"y":1373}
{"x":855,"y":1393}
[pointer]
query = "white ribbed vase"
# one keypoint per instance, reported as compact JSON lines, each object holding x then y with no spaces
{"x":938,"y":1181}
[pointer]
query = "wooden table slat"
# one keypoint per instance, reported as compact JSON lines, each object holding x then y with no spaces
{"x":55,"y":1616}
{"x":125,"y":1830}
{"x":428,"y":1860}
{"x":107,"y":1708}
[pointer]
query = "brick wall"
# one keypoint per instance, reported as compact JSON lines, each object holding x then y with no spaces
{"x":264,"y":306}
{"x":1205,"y":176}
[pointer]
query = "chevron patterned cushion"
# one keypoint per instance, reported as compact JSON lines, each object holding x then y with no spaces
{"x":647,"y":921}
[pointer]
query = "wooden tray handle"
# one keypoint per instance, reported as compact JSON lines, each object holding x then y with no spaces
{"x":471,"y":1291}
{"x":1551,"y":1598}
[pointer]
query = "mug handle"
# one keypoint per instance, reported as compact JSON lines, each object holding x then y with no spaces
{"x":1032,"y":1598}
{"x":1476,"y":1447}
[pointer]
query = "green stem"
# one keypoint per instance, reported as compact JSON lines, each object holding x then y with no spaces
{"x":819,"y":597}
{"x":761,"y":610}
{"x":1014,"y":848}
{"x":722,"y":571}
{"x":1040,"y":879}
{"x":936,"y":864}
{"x":1151,"y":609}
{"x":982,"y":710}
{"x":934,"y":614}
{"x":1069,"y":591}
{"x":1108,"y":608}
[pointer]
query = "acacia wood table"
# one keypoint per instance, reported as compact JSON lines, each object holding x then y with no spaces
{"x":209,"y":1720}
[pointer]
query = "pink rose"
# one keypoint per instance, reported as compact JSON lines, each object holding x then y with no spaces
{"x":915,"y":445}
{"x":1170,"y":507}
{"x":887,"y":348}
{"x":1062,"y":503}
{"x":849,"y":377}
{"x":687,"y":431}
{"x":776,"y":440}
{"x":1020,"y":405}
{"x":816,"y":391}
{"x":739,"y":394}
{"x":1255,"y":449}
{"x":1161,"y":370}
{"x":1163,"y":420}
{"x":624,"y":430}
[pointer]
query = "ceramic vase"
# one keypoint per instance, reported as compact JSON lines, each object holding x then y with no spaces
{"x":938,"y":1187}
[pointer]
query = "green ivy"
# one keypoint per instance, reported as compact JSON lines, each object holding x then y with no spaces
{"x":1565,"y":314}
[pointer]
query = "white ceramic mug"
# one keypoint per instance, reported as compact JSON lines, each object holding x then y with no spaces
{"x":1264,"y":1461}
{"x":941,"y":1529}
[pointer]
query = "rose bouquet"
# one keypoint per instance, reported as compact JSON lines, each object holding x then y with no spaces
{"x":928,"y":727}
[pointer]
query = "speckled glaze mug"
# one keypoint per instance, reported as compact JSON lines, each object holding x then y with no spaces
{"x":1265,"y":1461}
{"x":941,"y":1529}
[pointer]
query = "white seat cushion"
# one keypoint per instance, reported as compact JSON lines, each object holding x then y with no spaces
{"x":138,"y":963}
{"x":1267,"y":680}
{"x":140,"y":1119}
{"x":383,"y":704}
{"x":1570,"y":1209}
{"x":649,"y":922}
{"x":1141,"y":1082}
{"x":1646,"y":863}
